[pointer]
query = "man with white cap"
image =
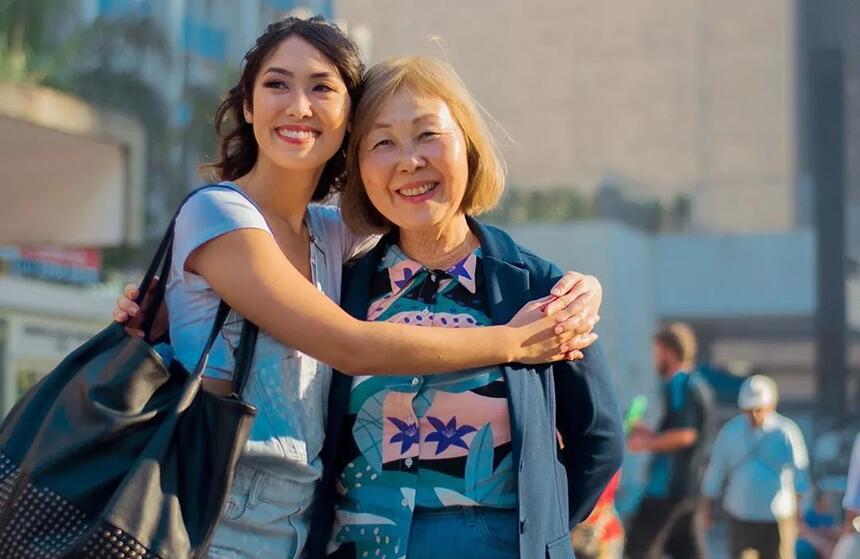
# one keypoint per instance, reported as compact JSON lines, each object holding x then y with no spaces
{"x":759,"y":465}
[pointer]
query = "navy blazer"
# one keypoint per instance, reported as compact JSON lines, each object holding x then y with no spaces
{"x":556,"y":488}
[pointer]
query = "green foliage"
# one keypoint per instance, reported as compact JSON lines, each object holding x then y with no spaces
{"x":567,"y":204}
{"x":16,"y":66}
{"x":555,"y":204}
{"x":26,"y":56}
{"x":23,"y":23}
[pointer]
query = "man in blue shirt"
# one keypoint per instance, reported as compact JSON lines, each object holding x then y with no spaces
{"x":669,"y":519}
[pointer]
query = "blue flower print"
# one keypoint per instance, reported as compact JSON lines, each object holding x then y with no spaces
{"x":404,"y":281}
{"x":407,"y":436}
{"x":459,"y":270}
{"x":448,"y":435}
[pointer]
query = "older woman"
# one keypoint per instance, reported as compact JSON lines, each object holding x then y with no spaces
{"x":463,"y":464}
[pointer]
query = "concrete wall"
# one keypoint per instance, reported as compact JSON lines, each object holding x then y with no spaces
{"x":723,"y":276}
{"x":70,"y":174}
{"x":687,"y":96}
{"x":751,"y":298}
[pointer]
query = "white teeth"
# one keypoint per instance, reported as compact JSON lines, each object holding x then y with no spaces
{"x":418,"y":190}
{"x":297,"y":134}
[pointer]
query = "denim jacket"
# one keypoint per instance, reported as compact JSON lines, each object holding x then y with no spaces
{"x":557,"y":488}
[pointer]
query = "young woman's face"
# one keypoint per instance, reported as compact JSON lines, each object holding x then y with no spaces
{"x":413,"y":162}
{"x":300,"y":107}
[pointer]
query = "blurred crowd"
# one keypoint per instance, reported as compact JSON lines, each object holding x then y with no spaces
{"x":752,"y":474}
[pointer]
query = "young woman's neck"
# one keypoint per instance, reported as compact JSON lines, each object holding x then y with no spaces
{"x":281,"y":192}
{"x":439,"y":247}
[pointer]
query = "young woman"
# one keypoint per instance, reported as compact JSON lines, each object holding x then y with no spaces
{"x":256,"y":243}
{"x":464,"y":464}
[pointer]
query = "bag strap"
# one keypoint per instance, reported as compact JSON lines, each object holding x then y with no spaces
{"x":244,"y":357}
{"x":220,"y":319}
{"x":244,"y":352}
{"x":160,"y":264}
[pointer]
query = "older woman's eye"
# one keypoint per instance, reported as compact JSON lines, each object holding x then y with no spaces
{"x":275,"y":84}
{"x":428,"y":134}
{"x":381,"y":143}
{"x":324,"y":88}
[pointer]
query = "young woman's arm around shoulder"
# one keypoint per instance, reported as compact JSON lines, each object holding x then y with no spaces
{"x":248,"y":270}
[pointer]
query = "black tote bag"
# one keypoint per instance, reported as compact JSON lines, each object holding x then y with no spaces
{"x":115,"y":454}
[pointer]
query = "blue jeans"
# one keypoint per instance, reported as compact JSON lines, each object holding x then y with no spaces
{"x":265,"y":518}
{"x":473,"y":532}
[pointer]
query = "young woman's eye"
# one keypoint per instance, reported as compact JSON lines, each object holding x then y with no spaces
{"x":429,"y":134}
{"x":275,"y":84}
{"x":324,"y":88}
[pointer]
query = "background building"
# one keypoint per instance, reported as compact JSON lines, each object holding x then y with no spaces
{"x":71,"y":181}
{"x":688,"y":98}
{"x":721,"y":109}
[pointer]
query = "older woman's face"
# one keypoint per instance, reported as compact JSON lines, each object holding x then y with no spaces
{"x":413,"y":162}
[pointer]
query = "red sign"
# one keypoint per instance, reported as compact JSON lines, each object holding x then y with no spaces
{"x":74,"y":258}
{"x":64,"y":265}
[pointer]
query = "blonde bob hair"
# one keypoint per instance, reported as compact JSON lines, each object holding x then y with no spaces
{"x":433,"y":78}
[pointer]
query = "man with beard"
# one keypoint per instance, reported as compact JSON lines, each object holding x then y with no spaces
{"x":669,"y":519}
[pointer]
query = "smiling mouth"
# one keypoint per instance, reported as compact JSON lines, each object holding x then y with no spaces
{"x":297,"y":135}
{"x":415,"y":191}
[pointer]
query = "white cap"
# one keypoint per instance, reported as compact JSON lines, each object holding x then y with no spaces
{"x":757,"y":391}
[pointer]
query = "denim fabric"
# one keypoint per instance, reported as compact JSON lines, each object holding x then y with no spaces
{"x":473,"y":532}
{"x":265,"y":518}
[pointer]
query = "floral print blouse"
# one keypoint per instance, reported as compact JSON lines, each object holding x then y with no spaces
{"x":432,"y":441}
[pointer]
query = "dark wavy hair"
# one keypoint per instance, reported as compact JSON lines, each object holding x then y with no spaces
{"x":238,"y":147}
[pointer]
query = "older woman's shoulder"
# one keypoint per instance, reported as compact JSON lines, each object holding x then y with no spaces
{"x":539,"y":267}
{"x":534,"y":260}
{"x":504,"y":246}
